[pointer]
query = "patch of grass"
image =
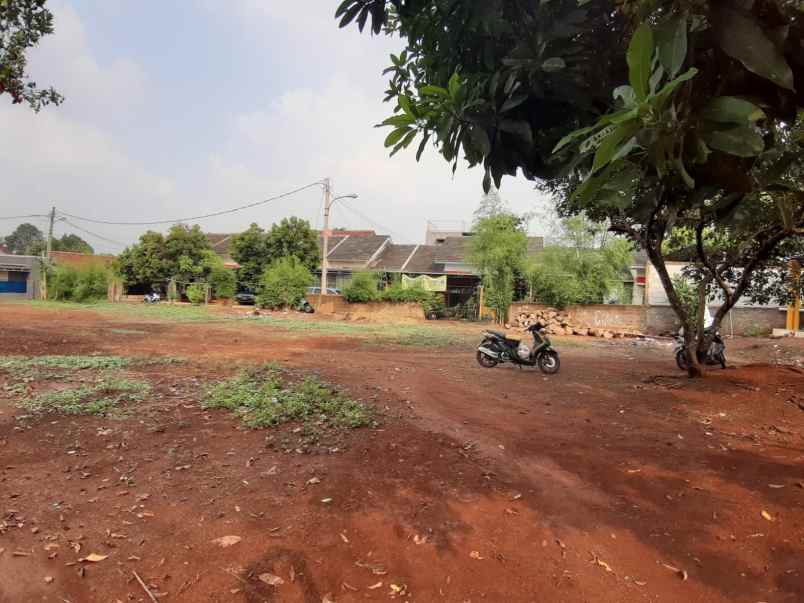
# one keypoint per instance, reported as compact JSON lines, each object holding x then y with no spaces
{"x":158,"y":312}
{"x":22,"y":363}
{"x":100,"y":398}
{"x":262,"y":398}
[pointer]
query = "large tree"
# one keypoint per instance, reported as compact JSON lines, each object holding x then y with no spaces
{"x":653,"y":115}
{"x":22,"y":25}
{"x":255,"y":250}
{"x":498,"y":250}
{"x":26,"y":239}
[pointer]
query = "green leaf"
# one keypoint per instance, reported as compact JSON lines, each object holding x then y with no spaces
{"x":553,"y":64}
{"x":480,"y":138}
{"x":395,"y":136}
{"x":730,"y":109}
{"x":611,"y":144}
{"x":742,"y":38}
{"x":431,"y":90}
{"x":348,"y":15}
{"x":405,"y":142}
{"x":670,"y":87}
{"x":640,"y":53}
{"x":671,"y":40}
{"x":573,"y":136}
{"x":518,"y":127}
{"x":404,"y":102}
{"x":399,"y":121}
{"x":422,"y":146}
{"x":454,"y":85}
{"x":513,"y":102}
{"x":625,"y":149}
{"x":741,"y":141}
{"x":594,"y":140}
{"x":626,"y":93}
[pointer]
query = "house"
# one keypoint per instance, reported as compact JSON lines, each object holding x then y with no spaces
{"x":221,"y":245}
{"x":19,"y":276}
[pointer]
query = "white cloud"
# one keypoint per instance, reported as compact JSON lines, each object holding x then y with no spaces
{"x":65,"y":61}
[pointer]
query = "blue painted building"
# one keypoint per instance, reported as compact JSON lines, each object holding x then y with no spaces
{"x":19,"y":276}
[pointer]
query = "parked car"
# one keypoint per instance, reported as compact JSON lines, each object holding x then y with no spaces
{"x":317,"y":291}
{"x":246,"y":298}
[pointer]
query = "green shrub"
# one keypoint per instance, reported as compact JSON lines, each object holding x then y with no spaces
{"x":197,"y":293}
{"x":283,"y":284}
{"x":223,"y":282}
{"x":261,"y":398}
{"x":66,"y":283}
{"x":92,"y":285}
{"x":362,"y":289}
{"x":61,"y":283}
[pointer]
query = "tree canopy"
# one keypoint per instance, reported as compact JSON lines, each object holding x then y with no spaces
{"x":499,"y":247}
{"x":24,"y":240}
{"x":185,"y":254}
{"x":23,"y":23}
{"x":646,"y":115}
{"x":255,"y":249}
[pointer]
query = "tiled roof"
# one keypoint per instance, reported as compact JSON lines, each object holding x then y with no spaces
{"x":80,"y":260}
{"x":221,"y":243}
{"x":453,"y":249}
{"x":393,"y":258}
{"x":422,"y":261}
{"x":357,"y":249}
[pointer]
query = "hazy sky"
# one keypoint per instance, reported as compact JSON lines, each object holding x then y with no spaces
{"x":180,"y":107}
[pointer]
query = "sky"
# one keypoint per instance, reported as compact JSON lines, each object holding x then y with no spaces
{"x":176,"y":108}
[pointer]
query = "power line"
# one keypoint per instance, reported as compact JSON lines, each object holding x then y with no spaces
{"x":192,"y":218}
{"x":369,"y":220}
{"x":21,"y":217}
{"x":97,"y":236}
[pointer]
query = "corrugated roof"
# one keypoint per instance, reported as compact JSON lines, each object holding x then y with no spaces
{"x":393,"y":258}
{"x":357,"y":249}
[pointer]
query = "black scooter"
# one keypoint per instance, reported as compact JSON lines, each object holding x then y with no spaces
{"x":496,"y":348}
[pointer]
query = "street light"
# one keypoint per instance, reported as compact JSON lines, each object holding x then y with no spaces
{"x":325,"y":251}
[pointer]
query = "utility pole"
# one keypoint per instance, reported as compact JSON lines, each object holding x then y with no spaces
{"x":50,"y":233}
{"x":325,"y":245}
{"x":48,"y":249}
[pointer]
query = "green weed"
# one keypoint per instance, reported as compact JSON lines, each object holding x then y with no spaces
{"x":15,"y":363}
{"x":100,"y":398}
{"x":262,"y":398}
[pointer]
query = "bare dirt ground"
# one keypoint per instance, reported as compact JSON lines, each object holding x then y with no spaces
{"x":616,"y":480}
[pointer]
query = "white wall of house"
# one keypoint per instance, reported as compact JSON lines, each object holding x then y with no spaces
{"x":656,"y":296}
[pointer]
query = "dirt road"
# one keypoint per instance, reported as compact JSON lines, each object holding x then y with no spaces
{"x":615,"y":481}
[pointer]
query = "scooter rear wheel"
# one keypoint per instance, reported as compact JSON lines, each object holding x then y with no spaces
{"x":681,"y":360}
{"x":485,"y":361}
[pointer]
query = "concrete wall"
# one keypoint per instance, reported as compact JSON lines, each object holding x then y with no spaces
{"x":655,"y":320}
{"x":335,"y":305}
{"x":607,"y":316}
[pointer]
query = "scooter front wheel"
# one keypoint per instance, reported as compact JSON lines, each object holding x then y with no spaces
{"x":681,"y":360}
{"x":549,"y":362}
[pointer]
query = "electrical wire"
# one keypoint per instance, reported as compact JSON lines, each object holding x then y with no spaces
{"x":97,"y":236}
{"x":193,"y":218}
{"x":369,"y":220}
{"x":21,"y":217}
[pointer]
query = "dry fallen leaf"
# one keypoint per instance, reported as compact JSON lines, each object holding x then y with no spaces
{"x":640,"y":583}
{"x":475,"y":555}
{"x":328,"y":598}
{"x":375,"y":586}
{"x":48,"y":579}
{"x":226,"y":541}
{"x":271,"y":579}
{"x":776,"y":486}
{"x":419,"y":539}
{"x":766,"y":515}
{"x":598,"y":561}
{"x":679,"y":572}
{"x":94,"y":558}
{"x":292,"y":574}
{"x":344,"y":538}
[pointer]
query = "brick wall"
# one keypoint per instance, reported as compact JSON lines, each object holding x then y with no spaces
{"x":335,"y":305}
{"x":607,"y":316}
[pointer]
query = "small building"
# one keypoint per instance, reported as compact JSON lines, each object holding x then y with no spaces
{"x":19,"y":276}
